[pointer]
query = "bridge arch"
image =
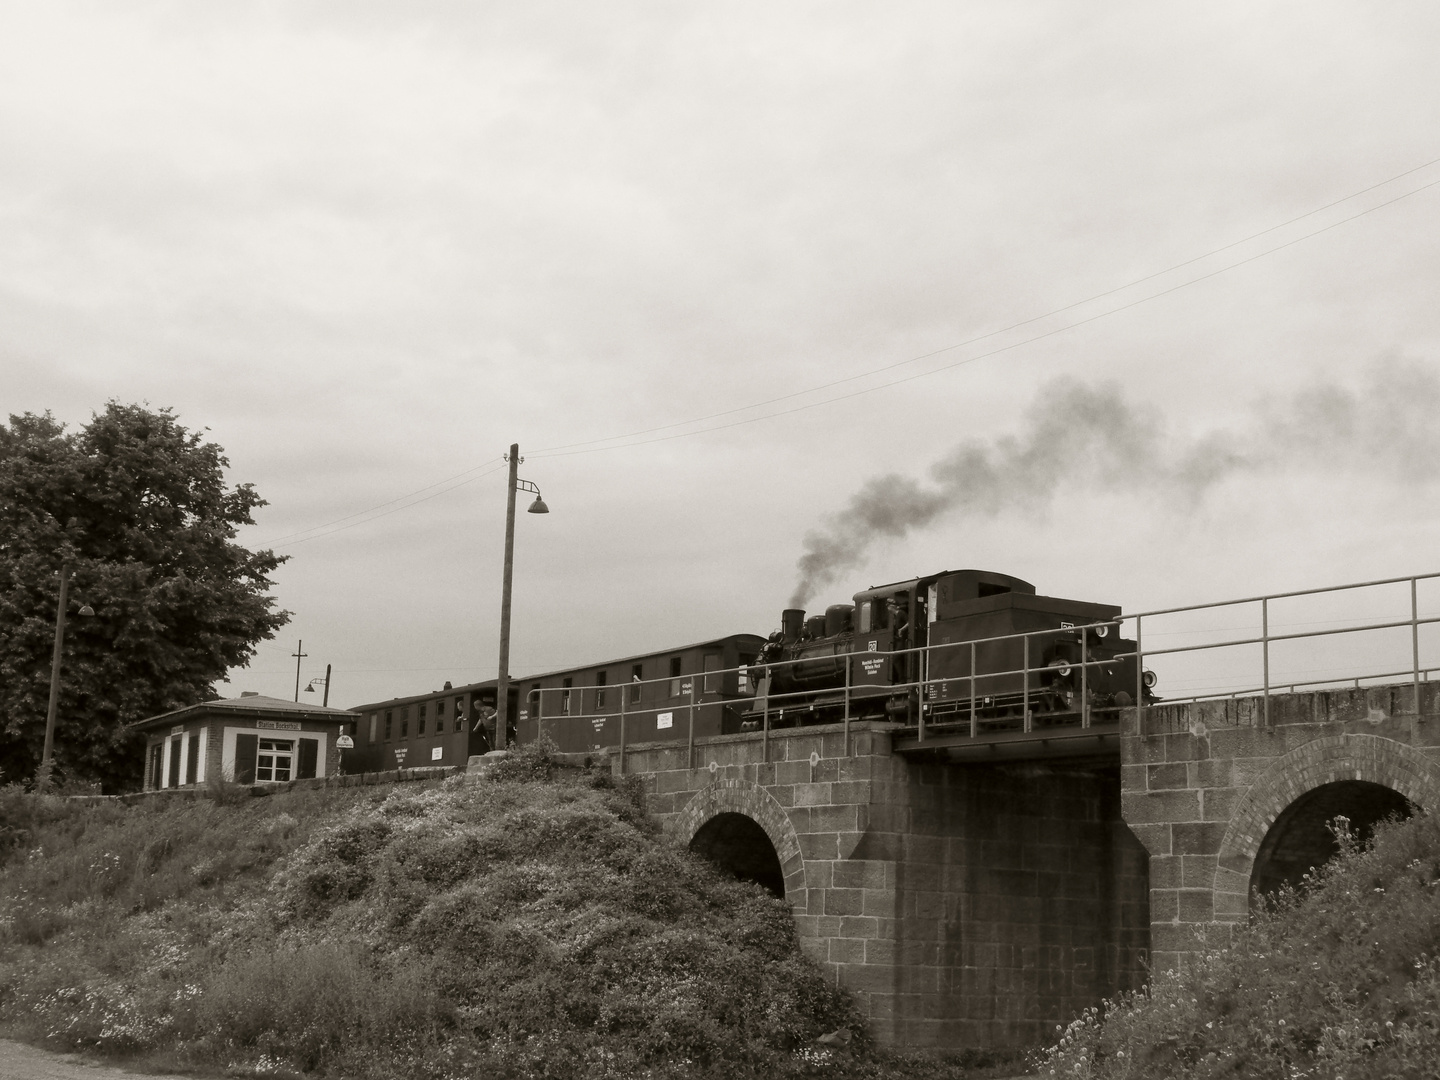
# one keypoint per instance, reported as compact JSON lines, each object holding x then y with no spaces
{"x":1324,"y":777}
{"x":730,"y":820}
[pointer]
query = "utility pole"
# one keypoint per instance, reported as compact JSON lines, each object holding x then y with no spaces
{"x":42,"y":780}
{"x":502,"y":683}
{"x":299,"y":655}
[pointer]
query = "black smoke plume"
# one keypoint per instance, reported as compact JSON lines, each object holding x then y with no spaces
{"x":1088,"y":435}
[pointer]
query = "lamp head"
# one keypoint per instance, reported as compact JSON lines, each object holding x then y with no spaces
{"x":87,"y":610}
{"x":311,"y":688}
{"x":538,"y":506}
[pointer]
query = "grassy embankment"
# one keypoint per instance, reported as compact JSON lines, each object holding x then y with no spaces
{"x":500,"y":928}
{"x":1340,"y":982}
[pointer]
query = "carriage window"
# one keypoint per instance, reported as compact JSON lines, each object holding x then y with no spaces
{"x":600,"y":689}
{"x":711,"y":664}
{"x":374,"y":719}
{"x":389,"y":720}
{"x":565,"y":696}
{"x":675,"y":676}
{"x":745,"y":684}
{"x":274,"y":760}
{"x":405,"y":722}
{"x":420,"y":723}
{"x":637,"y":672}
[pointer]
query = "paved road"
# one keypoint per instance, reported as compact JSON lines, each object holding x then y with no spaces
{"x":21,"y":1062}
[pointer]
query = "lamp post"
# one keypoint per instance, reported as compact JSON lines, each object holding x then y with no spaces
{"x":42,"y":777}
{"x":502,"y":685}
{"x":310,"y":686}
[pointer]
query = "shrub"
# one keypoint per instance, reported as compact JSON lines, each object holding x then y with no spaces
{"x":1338,"y":980}
{"x":529,"y":763}
{"x":514,"y":928}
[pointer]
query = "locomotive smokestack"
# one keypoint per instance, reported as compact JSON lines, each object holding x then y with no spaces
{"x":791,"y":622}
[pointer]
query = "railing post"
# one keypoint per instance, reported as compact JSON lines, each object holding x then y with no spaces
{"x":622,"y":734}
{"x":1265,"y":649}
{"x":974,"y":721}
{"x":1415,"y":645}
{"x":845,"y":714}
{"x":690,"y":736}
{"x":1084,"y":683}
{"x":1139,"y":679}
{"x":1025,"y":677}
{"x":765,"y":733}
{"x":921,"y":688}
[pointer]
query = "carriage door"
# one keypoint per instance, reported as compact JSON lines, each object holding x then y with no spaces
{"x":931,"y":602}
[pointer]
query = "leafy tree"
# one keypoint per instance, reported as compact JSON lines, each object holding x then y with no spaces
{"x":138,"y":507}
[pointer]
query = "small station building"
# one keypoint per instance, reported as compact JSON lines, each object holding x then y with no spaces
{"x":251,"y":739}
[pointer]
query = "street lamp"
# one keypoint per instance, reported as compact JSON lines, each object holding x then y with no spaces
{"x":502,"y":687}
{"x":42,"y":777}
{"x":310,"y":687}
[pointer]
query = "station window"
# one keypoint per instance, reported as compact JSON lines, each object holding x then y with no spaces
{"x":565,"y":695}
{"x":389,"y":720}
{"x":637,"y":673}
{"x":675,"y":662}
{"x":600,"y":679}
{"x":275,"y":759}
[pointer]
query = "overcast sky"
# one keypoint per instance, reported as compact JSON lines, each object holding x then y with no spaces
{"x":369,"y":245}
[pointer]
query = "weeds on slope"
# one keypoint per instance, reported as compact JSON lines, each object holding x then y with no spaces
{"x":514,"y":927}
{"x":1339,"y":980}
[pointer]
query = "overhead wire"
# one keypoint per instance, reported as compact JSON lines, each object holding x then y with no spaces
{"x":317,"y":532}
{"x":553,"y":450}
{"x":992,"y":352}
{"x":634,"y":438}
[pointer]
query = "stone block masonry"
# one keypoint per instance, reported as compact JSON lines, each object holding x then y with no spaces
{"x":1205,"y":783}
{"x":963,"y":905}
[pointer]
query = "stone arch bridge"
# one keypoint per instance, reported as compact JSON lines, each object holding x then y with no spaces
{"x":978,"y":895}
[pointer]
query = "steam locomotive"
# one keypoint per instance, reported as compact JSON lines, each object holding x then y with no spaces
{"x":958,"y":647}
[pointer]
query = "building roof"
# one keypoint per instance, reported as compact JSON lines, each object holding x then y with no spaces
{"x":515,"y":680}
{"x":249,"y":705}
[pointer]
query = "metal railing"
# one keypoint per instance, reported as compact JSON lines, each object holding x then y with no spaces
{"x":1029,"y":675}
{"x":1266,"y":639}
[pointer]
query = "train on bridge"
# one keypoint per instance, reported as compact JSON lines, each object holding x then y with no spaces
{"x":947,"y":650}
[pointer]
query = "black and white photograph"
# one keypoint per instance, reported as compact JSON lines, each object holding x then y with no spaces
{"x":644,"y":540}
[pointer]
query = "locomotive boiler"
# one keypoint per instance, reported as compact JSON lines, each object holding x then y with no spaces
{"x":957,"y":647}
